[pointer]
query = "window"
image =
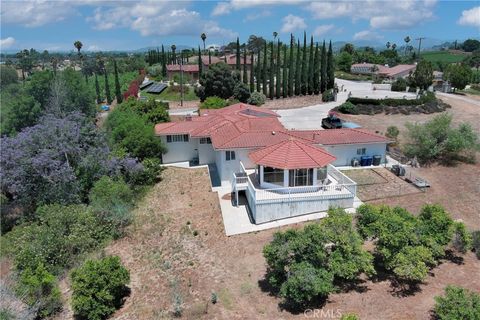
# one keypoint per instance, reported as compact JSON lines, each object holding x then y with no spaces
{"x":205,"y":141}
{"x":273,"y":175}
{"x":230,"y":155}
{"x":300,"y":177}
{"x":361,"y":151}
{"x":177,"y":138}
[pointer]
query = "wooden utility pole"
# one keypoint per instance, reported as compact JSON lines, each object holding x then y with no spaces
{"x":419,"y":45}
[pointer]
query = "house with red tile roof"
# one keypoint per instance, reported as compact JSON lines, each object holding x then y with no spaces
{"x":399,"y":71}
{"x":191,"y":71}
{"x":282,"y":172}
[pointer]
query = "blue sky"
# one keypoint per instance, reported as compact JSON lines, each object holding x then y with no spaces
{"x":121,"y":25}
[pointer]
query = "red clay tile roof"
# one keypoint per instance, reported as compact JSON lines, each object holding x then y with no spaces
{"x":185,"y":67}
{"x":243,"y":126}
{"x":214,"y":60}
{"x":292,"y":154}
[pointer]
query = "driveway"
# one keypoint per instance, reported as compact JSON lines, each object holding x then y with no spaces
{"x":310,"y":118}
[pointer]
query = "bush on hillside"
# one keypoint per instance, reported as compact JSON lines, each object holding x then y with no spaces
{"x":8,"y":75}
{"x":409,"y":246}
{"x":301,"y":267}
{"x":436,"y":140}
{"x":219,"y":81}
{"x":348,"y":108}
{"x":427,"y":97}
{"x":155,"y":111}
{"x":99,"y":287}
{"x":213,"y":102}
{"x":476,"y":242}
{"x":112,"y":201}
{"x":399,"y":85}
{"x":392,"y":132}
{"x":457,"y":303}
{"x":257,"y":98}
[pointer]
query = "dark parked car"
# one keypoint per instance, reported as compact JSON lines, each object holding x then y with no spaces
{"x":331,"y":122}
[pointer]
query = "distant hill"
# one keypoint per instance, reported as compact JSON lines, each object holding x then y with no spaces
{"x":167,"y":48}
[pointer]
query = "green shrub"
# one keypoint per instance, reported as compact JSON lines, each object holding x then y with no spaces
{"x":436,"y":140}
{"x":458,"y":303}
{"x":55,"y":239}
{"x":112,"y":200}
{"x":302,"y":268}
{"x":241,"y":92}
{"x":40,"y":291}
{"x":392,"y":132}
{"x":348,"y":108}
{"x":152,"y":169}
{"x":350,"y":316}
{"x":99,"y":287}
{"x":399,"y":85}
{"x":427,"y":97}
{"x":462,"y":239}
{"x":328,"y":95}
{"x":213,"y":103}
{"x":257,"y":98}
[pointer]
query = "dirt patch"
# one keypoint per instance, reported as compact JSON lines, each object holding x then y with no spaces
{"x":292,"y":102}
{"x":380,"y":183}
{"x":175,"y":105}
{"x":178,"y":254}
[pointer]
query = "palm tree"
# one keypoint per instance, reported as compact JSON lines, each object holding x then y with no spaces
{"x":275,"y":34}
{"x":77,"y":44}
{"x":388,"y":45}
{"x":407,"y":40}
{"x":394,"y":46}
{"x":204,"y":37}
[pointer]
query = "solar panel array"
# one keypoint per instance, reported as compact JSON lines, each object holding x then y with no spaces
{"x":146,"y":84}
{"x":157,"y":88}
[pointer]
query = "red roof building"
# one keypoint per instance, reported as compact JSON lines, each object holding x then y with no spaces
{"x":189,"y":70}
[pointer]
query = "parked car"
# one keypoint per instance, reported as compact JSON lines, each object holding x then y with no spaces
{"x":331,"y":122}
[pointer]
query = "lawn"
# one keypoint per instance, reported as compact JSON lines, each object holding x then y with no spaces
{"x":442,"y":56}
{"x":171,"y":95}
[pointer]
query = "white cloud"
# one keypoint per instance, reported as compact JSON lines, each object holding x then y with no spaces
{"x":394,"y":15}
{"x":257,"y":15}
{"x":35,"y":13}
{"x":292,"y":23}
{"x":7,"y":43}
{"x":470,"y":17}
{"x":223,"y":8}
{"x":93,"y":47}
{"x":157,"y":18}
{"x":323,"y":29}
{"x":367,"y":35}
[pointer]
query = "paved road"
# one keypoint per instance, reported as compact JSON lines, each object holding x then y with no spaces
{"x":309,"y":118}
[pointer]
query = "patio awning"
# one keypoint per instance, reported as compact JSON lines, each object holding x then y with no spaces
{"x":292,"y":154}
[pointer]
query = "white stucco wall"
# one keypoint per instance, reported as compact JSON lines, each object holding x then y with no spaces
{"x":227,"y":168}
{"x":345,"y":153}
{"x":180,"y":151}
{"x":206,"y":154}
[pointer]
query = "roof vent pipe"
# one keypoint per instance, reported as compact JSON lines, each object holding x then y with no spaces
{"x":273,"y":133}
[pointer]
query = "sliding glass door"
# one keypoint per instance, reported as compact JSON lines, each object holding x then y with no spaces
{"x":300,"y":177}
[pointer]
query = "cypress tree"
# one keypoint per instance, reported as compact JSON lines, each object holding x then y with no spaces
{"x":323,"y":69}
{"x":310,"y":67}
{"x":330,"y":68}
{"x":238,"y":55}
{"x":209,"y":57}
{"x":252,"y":76}
{"x":200,"y":62}
{"x":316,"y":71}
{"x":118,"y":91}
{"x":264,"y":70}
{"x":164,"y":63}
{"x":298,"y":70}
{"x":284,"y":75}
{"x":291,"y":72}
{"x":97,"y":89}
{"x":272,"y":70}
{"x":278,"y":79}
{"x":259,"y":70}
{"x":245,"y":75}
{"x":304,"y":78}
{"x":107,"y":89}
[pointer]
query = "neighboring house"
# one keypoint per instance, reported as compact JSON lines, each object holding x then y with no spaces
{"x":189,"y":70}
{"x":399,"y":71}
{"x":231,"y":60}
{"x":283,"y":172}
